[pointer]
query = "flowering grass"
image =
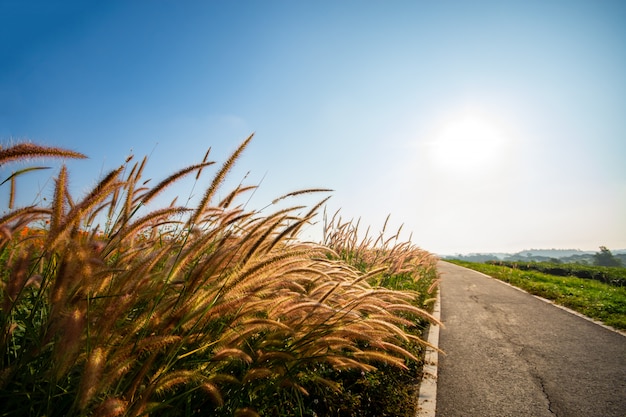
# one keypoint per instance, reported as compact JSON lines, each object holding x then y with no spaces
{"x":212,"y":309}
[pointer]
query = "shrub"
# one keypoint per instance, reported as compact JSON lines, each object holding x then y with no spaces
{"x":609,"y":275}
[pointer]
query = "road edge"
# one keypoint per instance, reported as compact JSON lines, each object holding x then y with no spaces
{"x":427,"y":397}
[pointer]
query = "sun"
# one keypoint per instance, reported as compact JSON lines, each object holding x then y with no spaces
{"x":467,"y":144}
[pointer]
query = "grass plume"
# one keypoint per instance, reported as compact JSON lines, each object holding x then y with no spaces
{"x":214,"y":309}
{"x":25,"y":151}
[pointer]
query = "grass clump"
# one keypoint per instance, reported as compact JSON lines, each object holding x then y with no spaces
{"x":398,"y":266}
{"x":212,"y":309}
{"x":595,"y":299}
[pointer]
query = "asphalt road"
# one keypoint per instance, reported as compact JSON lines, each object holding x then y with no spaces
{"x":511,"y":354}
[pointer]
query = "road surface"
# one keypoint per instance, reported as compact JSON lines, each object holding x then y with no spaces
{"x":510,"y":354}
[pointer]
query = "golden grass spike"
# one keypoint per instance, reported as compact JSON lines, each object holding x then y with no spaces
{"x":91,"y":377}
{"x":334,"y":386}
{"x":213,"y":392}
{"x":370,"y":274}
{"x":269,"y":229}
{"x":99,"y":192}
{"x":230,"y":354}
{"x":91,"y":219}
{"x":131,"y":181}
{"x":335,"y":343}
{"x":30,"y":213}
{"x":388,"y":241}
{"x":131,"y":174}
{"x":380,"y":239}
{"x":375,"y":356}
{"x":18,"y":276}
{"x":148,"y":218}
{"x":240,"y":336}
{"x":111,"y":407}
{"x":29,"y":150}
{"x":140,"y":375}
{"x":58,"y":203}
{"x":434,"y":285}
{"x":172,"y":379}
{"x":258,"y":373}
{"x":156,"y":343}
{"x":5,"y":235}
{"x":329,"y":292}
{"x":274,"y":261}
{"x":246,"y":412}
{"x":393,"y":347}
{"x":289,"y":383}
{"x":69,"y":198}
{"x":69,"y":340}
{"x":276,"y":356}
{"x":198,"y":246}
{"x":217,"y":181}
{"x":342,"y":362}
{"x":300,"y":192}
{"x":408,"y":308}
{"x":113,"y":203}
{"x":295,"y":230}
{"x":12,"y":193}
{"x":388,"y":327}
{"x":225,"y":203}
{"x":292,"y":230}
{"x":172,"y":178}
{"x":204,"y":160}
{"x":141,"y":167}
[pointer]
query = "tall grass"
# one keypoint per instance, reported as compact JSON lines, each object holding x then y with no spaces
{"x":183,"y":311}
{"x":394,"y":264}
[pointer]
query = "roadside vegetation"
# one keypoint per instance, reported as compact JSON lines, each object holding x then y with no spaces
{"x":608,"y":274}
{"x":113,"y":307}
{"x":603,"y":301}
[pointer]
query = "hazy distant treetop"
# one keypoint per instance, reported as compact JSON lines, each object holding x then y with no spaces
{"x":606,"y":258}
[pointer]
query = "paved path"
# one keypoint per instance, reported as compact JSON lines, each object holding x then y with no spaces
{"x":511,"y":354}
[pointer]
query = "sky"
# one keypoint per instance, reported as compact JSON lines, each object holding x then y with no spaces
{"x":482,"y":126}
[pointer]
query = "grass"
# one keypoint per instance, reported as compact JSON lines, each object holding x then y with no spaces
{"x":404,"y":267}
{"x":212,"y":309}
{"x":608,"y":274}
{"x":597,"y":300}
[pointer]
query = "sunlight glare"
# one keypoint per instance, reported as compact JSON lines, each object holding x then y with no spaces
{"x":467,"y":144}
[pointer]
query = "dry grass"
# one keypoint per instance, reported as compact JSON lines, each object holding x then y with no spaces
{"x":181,"y":311}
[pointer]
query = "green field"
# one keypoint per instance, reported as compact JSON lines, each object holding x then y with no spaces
{"x":595,"y":299}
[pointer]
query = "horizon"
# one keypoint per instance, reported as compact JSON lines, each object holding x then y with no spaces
{"x":482,"y":125}
{"x":613,"y":250}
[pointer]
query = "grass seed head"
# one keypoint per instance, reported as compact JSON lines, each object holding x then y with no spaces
{"x":25,"y":151}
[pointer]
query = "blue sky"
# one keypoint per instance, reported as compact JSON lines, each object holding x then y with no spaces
{"x":479,"y":126}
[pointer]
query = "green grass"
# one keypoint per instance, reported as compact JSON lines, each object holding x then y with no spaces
{"x":607,"y":274}
{"x":594,"y":299}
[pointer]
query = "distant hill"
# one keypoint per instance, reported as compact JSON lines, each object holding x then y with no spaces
{"x":539,"y":255}
{"x":552,"y":253}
